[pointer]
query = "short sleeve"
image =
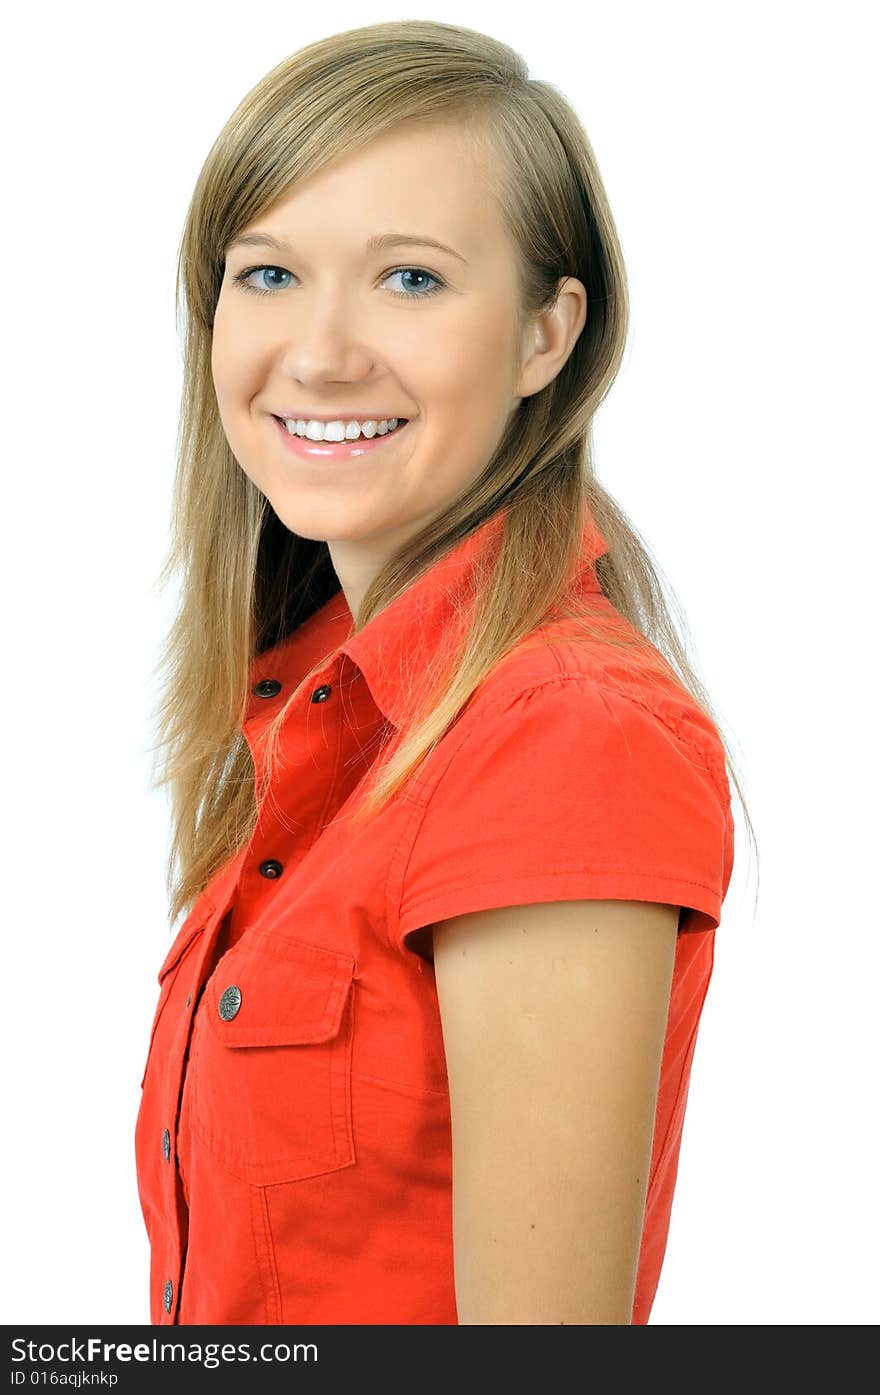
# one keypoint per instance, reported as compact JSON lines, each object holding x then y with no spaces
{"x":573,"y":790}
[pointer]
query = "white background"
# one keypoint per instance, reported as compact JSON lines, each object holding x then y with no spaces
{"x":738,"y":146}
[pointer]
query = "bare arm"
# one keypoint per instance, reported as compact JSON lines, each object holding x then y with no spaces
{"x":554,"y":1017}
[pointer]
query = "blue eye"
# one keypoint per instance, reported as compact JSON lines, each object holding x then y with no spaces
{"x":417,"y":271}
{"x":243,"y":280}
{"x":244,"y":276}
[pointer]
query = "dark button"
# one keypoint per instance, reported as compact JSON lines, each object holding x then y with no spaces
{"x":230,"y":1001}
{"x":270,"y":868}
{"x":189,"y":998}
{"x":321,"y":694}
{"x":168,"y":1295}
{"x":166,"y":1145}
{"x":267,"y":687}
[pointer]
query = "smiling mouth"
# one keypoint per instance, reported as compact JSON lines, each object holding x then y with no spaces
{"x":347,"y":440}
{"x":307,"y":449}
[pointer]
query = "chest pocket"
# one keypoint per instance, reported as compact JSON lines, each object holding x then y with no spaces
{"x":270,"y":1070}
{"x":180,"y":948}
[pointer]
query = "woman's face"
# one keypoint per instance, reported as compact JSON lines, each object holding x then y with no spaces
{"x":346,"y":332}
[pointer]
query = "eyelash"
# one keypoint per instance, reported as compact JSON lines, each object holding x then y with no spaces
{"x":242,"y":278}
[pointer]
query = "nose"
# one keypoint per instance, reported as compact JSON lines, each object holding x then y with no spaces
{"x":324,"y":342}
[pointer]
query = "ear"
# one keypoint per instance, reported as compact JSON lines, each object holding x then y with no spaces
{"x":550,"y":337}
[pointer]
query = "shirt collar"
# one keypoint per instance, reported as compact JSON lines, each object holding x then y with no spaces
{"x":396,"y":646}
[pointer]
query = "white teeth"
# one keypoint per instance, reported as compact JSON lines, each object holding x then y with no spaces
{"x":340,"y":430}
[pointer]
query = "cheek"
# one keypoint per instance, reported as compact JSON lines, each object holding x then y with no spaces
{"x":229,"y":374}
{"x":221,"y":368}
{"x":463,"y":348}
{"x":231,"y":356}
{"x":483,"y":363}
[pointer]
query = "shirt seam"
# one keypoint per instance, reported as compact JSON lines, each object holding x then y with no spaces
{"x":683,"y":1080}
{"x":708,"y":759}
{"x":400,"y":1084}
{"x":567,"y":872}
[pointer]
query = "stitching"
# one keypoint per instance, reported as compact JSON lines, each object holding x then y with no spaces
{"x":341,"y":973}
{"x":170,"y":963}
{"x":258,"y":1248}
{"x":399,"y":860}
{"x":265,"y":1253}
{"x":685,"y":1071}
{"x":573,"y":872}
{"x":707,"y":759}
{"x":316,"y":1164}
{"x":660,"y":1154}
{"x":331,"y":786}
{"x":273,"y":1261}
{"x":401,"y":1084}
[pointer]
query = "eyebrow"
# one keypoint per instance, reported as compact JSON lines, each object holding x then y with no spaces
{"x":376,"y":243}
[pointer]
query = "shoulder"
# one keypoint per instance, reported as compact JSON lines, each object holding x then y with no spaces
{"x":565,"y":779}
{"x":555,"y":677}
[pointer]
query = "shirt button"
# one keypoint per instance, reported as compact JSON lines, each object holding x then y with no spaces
{"x":166,"y":1145}
{"x":266,"y":688}
{"x":168,"y":1295}
{"x":270,"y":868}
{"x":230,"y":1002}
{"x":189,"y":998}
{"x":321,"y":694}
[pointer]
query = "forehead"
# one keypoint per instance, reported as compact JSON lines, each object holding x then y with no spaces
{"x":428,"y":177}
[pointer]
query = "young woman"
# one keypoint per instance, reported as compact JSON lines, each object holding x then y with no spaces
{"x":452,"y":832}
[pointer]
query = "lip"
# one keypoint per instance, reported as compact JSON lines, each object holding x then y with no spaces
{"x":333,"y":450}
{"x":339,"y":416}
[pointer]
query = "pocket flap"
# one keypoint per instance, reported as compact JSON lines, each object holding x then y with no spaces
{"x":192,"y":926}
{"x":267,"y":991}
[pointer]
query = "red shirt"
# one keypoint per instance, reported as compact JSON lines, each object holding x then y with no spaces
{"x":293,"y":1143}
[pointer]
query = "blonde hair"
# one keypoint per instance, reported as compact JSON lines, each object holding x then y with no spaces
{"x":247,"y":581}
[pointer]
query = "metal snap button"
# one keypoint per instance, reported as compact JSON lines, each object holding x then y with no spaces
{"x":166,"y":1145}
{"x":321,"y":694}
{"x":271,"y":868}
{"x":168,"y":1295}
{"x":230,"y":1002}
{"x":266,"y":688}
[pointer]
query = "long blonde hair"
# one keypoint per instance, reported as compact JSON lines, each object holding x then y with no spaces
{"x":246,"y":580}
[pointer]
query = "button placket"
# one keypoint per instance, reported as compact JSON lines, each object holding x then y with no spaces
{"x":271,"y":867}
{"x":184,"y":945}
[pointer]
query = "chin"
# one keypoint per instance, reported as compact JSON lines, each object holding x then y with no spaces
{"x":328,"y":520}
